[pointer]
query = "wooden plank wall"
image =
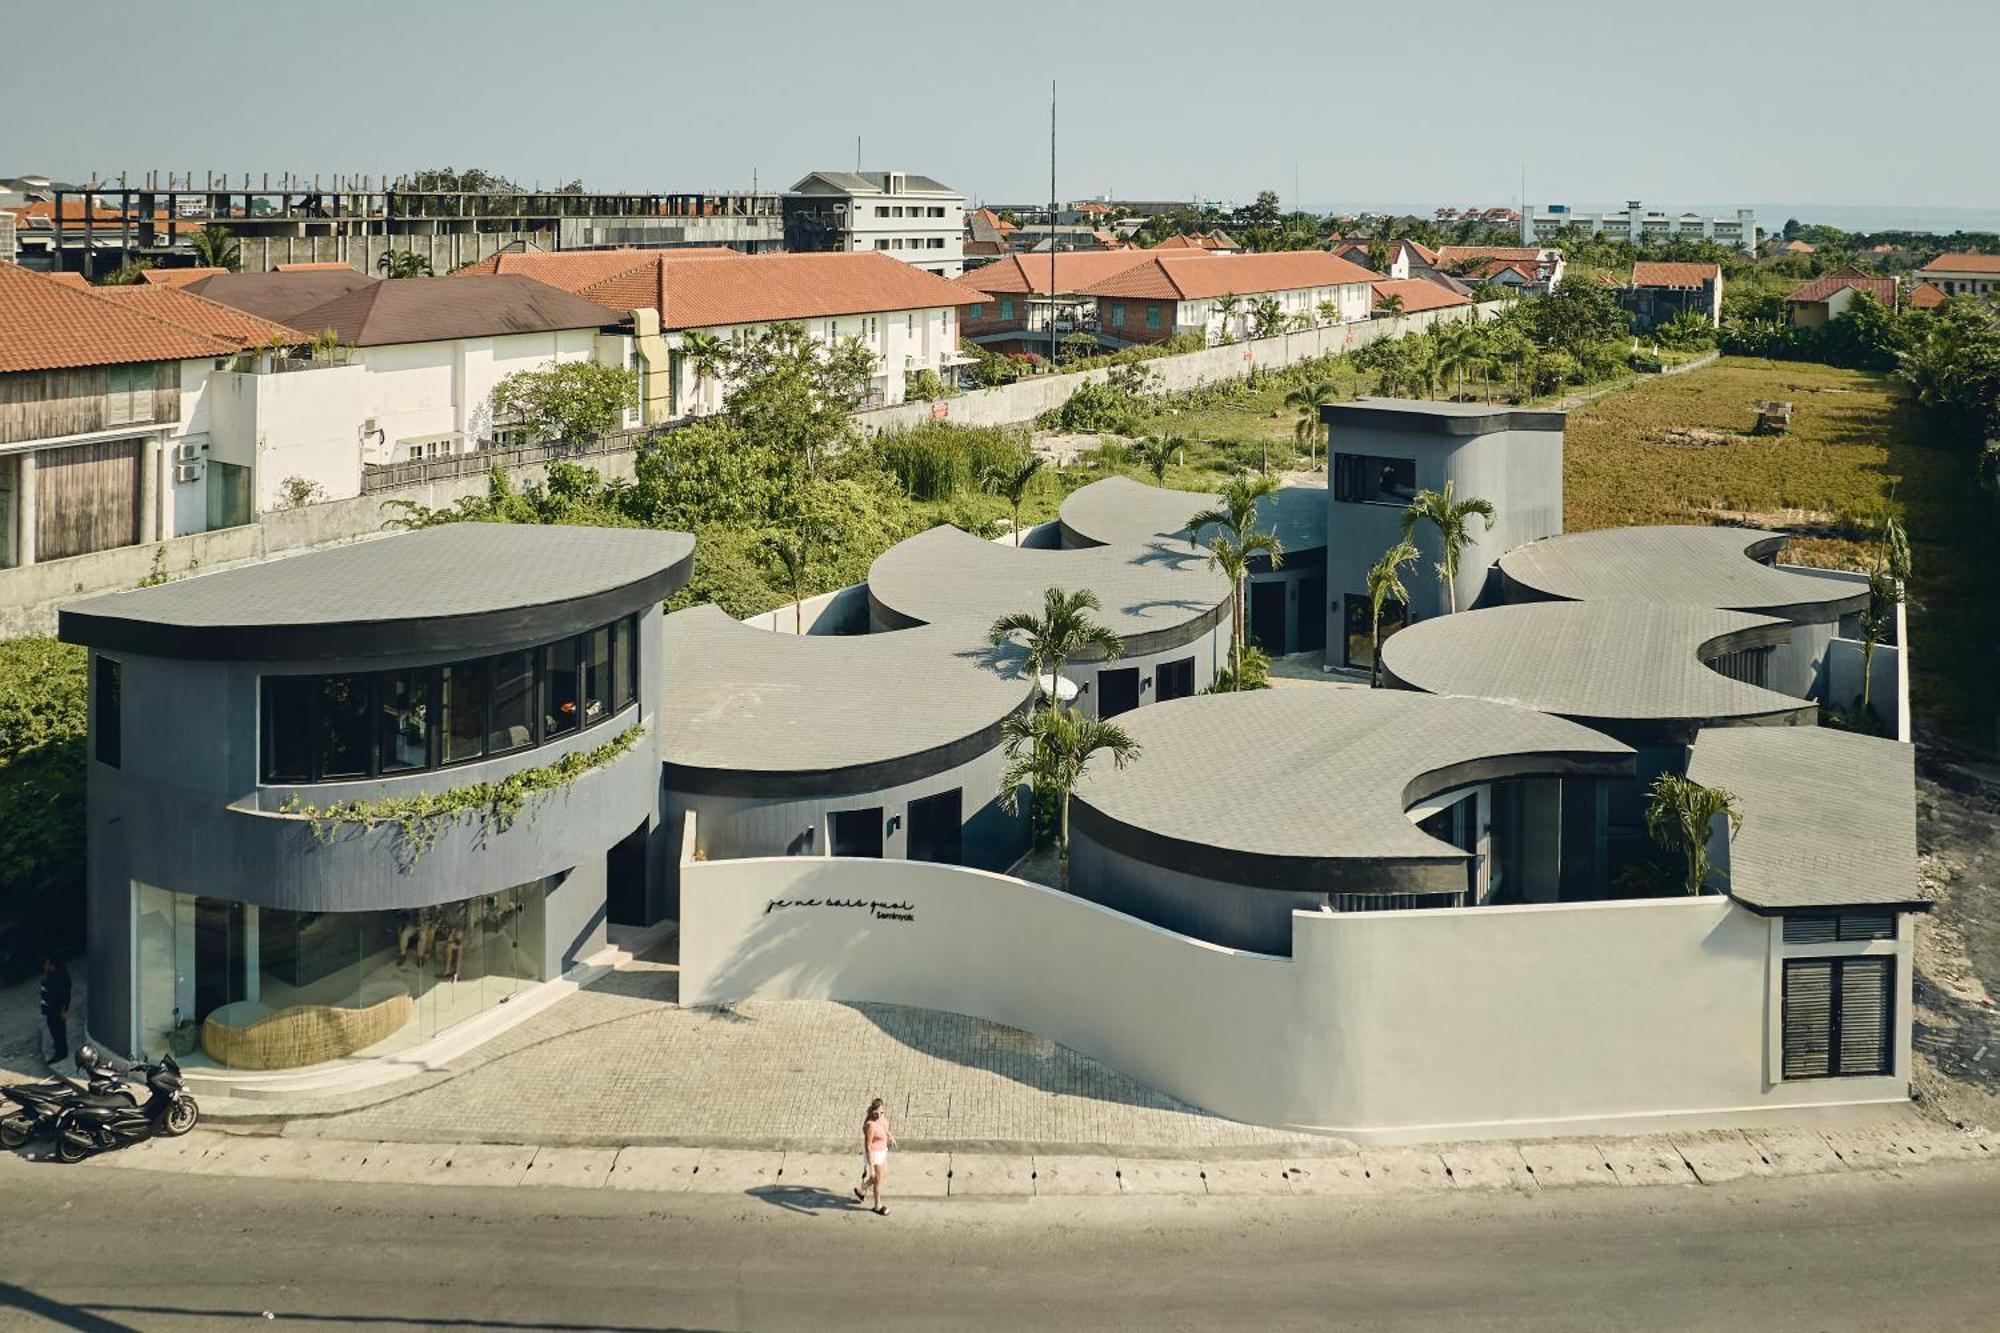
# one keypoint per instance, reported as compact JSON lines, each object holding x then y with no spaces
{"x":50,"y":404}
{"x":87,"y":498}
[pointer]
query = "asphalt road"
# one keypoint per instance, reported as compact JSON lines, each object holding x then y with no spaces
{"x":102,"y":1249}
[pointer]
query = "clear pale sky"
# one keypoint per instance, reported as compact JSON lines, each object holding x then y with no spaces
{"x":1681,"y":103}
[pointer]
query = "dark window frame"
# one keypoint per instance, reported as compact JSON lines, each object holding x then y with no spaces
{"x":625,"y":629}
{"x":1346,"y":471}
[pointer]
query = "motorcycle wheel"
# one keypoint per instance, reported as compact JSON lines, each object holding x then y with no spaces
{"x":69,"y":1150}
{"x":14,"y":1133}
{"x":181,"y":1117}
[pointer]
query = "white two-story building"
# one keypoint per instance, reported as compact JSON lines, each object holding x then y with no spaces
{"x":908,"y":217}
{"x":1220,"y":297}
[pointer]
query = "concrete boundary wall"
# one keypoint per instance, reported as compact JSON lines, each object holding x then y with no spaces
{"x":1382,"y":1027}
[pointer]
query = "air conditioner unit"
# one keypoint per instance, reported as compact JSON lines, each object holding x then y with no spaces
{"x":187,"y":472}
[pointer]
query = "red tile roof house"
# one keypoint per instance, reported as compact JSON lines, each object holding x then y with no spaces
{"x":1413,"y":296}
{"x":1407,"y":258}
{"x":1660,"y":291}
{"x":1963,"y":274}
{"x":1217,"y":296}
{"x":110,"y":433}
{"x":907,"y":317}
{"x":1927,"y":296}
{"x":1542,"y":265}
{"x":1830,"y":296}
{"x":1011,"y":305}
{"x":425,"y":355}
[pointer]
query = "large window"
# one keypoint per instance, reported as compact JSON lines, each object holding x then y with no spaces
{"x":1371,"y":480}
{"x":384,"y":723}
{"x":1837,"y":1014}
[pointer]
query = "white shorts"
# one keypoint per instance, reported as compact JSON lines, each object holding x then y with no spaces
{"x":879,"y":1157}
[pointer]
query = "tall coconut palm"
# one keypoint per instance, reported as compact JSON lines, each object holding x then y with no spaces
{"x":1014,"y":483}
{"x":1226,"y":305}
{"x":1049,"y":749}
{"x":1306,"y":402}
{"x":214,"y":247}
{"x":1157,"y":453}
{"x":1679,"y":815}
{"x":705,"y":354}
{"x":1452,"y":519}
{"x":1385,"y":585}
{"x":1063,"y":630}
{"x":1236,"y":543}
{"x":1461,"y":352}
{"x":790,"y":557}
{"x":403,"y":264}
{"x":1878,"y":620}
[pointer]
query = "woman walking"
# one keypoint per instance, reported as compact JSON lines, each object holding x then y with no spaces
{"x":876,"y":1140}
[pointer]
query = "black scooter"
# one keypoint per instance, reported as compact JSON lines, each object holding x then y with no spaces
{"x":41,"y":1103}
{"x":82,"y":1129}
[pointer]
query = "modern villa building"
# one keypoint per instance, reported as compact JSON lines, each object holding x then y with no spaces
{"x":255,"y":891}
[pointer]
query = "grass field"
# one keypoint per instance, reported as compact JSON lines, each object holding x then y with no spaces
{"x":1676,"y":450}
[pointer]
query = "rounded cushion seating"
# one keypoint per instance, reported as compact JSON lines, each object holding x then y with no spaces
{"x":303,"y":1034}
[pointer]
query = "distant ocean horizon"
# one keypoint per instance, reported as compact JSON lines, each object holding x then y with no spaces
{"x":1772,"y":217}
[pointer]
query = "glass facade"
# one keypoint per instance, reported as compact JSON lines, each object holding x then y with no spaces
{"x":1368,"y":479}
{"x":368,"y":724}
{"x":300,"y":988}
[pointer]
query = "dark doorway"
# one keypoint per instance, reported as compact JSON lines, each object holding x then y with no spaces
{"x":218,"y":955}
{"x":1173,"y":680}
{"x":625,"y":880}
{"x":856,"y":832}
{"x":937,"y":828}
{"x":1267,"y":616}
{"x":1117,"y":691}
{"x":1360,"y":648}
{"x":1312,"y":613}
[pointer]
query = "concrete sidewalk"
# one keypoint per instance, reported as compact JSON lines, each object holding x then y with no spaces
{"x":817,"y":1179}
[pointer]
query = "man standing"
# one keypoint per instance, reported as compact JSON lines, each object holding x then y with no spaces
{"x":55,"y":1006}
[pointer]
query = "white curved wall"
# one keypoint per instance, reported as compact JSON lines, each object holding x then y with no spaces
{"x":1391,"y":1026}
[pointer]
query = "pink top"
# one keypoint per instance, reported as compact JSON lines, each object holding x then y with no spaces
{"x":878,"y":1134}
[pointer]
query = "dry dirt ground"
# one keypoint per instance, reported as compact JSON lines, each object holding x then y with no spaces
{"x":1958,"y":944}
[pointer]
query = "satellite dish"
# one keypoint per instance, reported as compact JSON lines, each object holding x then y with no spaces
{"x":1061,"y":687}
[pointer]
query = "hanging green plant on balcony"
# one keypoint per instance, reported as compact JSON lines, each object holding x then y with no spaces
{"x":495,"y":806}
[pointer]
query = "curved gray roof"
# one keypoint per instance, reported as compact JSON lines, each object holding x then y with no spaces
{"x":1156,"y":591}
{"x":744,"y":705}
{"x":1118,"y":509}
{"x":1634,"y":668}
{"x":456,"y":587}
{"x":1829,"y":817}
{"x":1432,"y":417}
{"x":1679,"y":565}
{"x":1271,"y":787}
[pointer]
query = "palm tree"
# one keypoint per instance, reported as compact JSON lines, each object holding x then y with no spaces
{"x":704,"y":353}
{"x":1226,"y":305}
{"x":1452,"y":519}
{"x":1048,"y":749}
{"x":1236,"y":543}
{"x":1157,"y":453}
{"x":1063,"y":630}
{"x":1379,"y":258}
{"x":1306,"y":402}
{"x":1014,"y":483}
{"x":214,"y":247}
{"x":1461,"y":350}
{"x":1389,"y":306}
{"x":1385,"y":584}
{"x":1268,"y":316}
{"x":789,"y":555}
{"x":403,"y":264}
{"x":1679,"y":816}
{"x":1329,"y":312}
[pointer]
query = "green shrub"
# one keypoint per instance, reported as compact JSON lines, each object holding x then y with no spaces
{"x":42,"y":727}
{"x":1688,"y":331}
{"x":924,"y":386}
{"x":937,"y":460}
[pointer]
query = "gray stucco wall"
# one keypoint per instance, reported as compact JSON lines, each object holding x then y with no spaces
{"x":1518,"y":471}
{"x":1234,"y":915}
{"x":184,"y":811}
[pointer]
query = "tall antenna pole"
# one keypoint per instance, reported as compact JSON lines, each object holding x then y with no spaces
{"x":857,"y":155}
{"x":1052,"y":223}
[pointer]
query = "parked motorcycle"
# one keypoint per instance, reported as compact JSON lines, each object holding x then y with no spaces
{"x":41,"y":1103}
{"x":82,"y":1128}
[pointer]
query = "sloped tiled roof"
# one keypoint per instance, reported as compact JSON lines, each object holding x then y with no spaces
{"x":875,"y":182}
{"x":177,"y":277}
{"x":1194,"y":277}
{"x":1927,"y":296}
{"x":415,"y":310}
{"x":322,"y":266}
{"x":1964,"y":263}
{"x":211,"y":317}
{"x":280,"y":296}
{"x":48,"y":325}
{"x":1418,"y":294}
{"x":1457,"y":254}
{"x":1074,"y":271}
{"x":1199,"y":240}
{"x":1655,"y":273}
{"x":574,"y":270}
{"x":708,"y":291}
{"x":76,"y":280}
{"x":1820,"y":288}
